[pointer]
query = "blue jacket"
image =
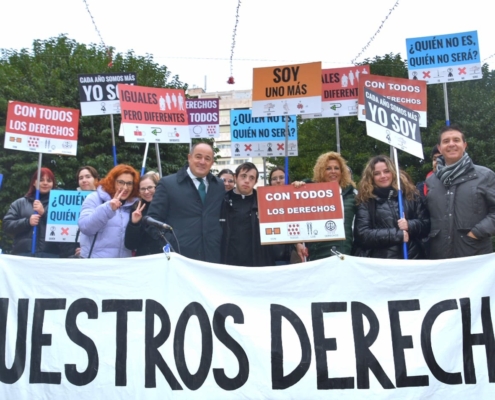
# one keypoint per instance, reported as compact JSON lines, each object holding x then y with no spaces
{"x":98,"y":217}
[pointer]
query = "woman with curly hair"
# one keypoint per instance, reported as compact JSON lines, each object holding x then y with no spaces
{"x":379,"y":230}
{"x":332,"y":167}
{"x":105,"y":214}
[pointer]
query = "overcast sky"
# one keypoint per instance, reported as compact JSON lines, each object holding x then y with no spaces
{"x":193,"y":38}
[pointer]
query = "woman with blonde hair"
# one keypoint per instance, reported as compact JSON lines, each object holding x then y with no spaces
{"x":332,"y":167}
{"x":379,"y":230}
{"x":106,"y":212}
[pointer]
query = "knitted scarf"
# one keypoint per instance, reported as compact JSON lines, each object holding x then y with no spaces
{"x":449,"y":173}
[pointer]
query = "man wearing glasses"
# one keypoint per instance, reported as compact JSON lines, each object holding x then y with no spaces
{"x":190,"y":201}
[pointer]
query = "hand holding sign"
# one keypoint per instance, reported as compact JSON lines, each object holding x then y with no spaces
{"x":38,"y":207}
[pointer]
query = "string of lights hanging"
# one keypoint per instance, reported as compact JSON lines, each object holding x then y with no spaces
{"x":231,"y":80}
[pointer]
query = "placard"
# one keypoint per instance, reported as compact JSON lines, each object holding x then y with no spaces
{"x":41,"y":129}
{"x":311,"y":213}
{"x":204,"y":118}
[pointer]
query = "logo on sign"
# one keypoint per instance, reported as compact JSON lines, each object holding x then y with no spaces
{"x":330,"y":226}
{"x":273,"y":231}
{"x":293,"y":229}
{"x":34,"y":141}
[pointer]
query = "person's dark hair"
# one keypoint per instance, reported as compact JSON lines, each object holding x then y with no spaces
{"x":197,"y":144}
{"x":434,"y":151}
{"x":275,"y":169}
{"x":247,"y":166}
{"x":92,"y":171}
{"x":449,"y":128}
{"x":225,"y":171}
{"x":44,"y":172}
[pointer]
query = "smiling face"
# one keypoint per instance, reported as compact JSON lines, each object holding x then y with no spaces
{"x":147,"y":189}
{"x":452,"y":146}
{"x":124,"y":182}
{"x":382,"y":176}
{"x":228,"y":181}
{"x":245,"y":181}
{"x":201,"y":160}
{"x":46,"y":184}
{"x":86,"y":180}
{"x":333,"y":173}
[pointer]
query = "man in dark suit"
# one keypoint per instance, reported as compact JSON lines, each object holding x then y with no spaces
{"x":190,"y":202}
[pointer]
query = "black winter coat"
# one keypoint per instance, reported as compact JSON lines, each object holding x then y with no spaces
{"x":379,"y":236}
{"x":16,"y":223}
{"x":136,"y":237}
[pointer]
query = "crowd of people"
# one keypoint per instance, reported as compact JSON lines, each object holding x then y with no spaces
{"x":215,"y":218}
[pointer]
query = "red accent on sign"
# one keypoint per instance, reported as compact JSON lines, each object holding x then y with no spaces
{"x":462,"y":71}
{"x":247,"y":147}
{"x":280,"y":146}
{"x":426,"y":74}
{"x":65,"y":231}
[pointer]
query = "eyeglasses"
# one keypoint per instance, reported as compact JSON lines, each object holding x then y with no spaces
{"x":123,"y":183}
{"x":227,"y":180}
{"x":278,"y":178}
{"x":149,"y":189}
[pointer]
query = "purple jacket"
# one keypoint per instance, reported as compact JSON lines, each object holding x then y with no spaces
{"x":98,"y":217}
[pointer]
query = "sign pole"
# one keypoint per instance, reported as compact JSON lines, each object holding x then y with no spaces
{"x":264,"y":170}
{"x":446,"y":102}
{"x":158,"y":162}
{"x":286,"y":149}
{"x":143,"y":167}
{"x":114,"y":149}
{"x":37,"y":197}
{"x":399,"y":196}
{"x":338,"y":133}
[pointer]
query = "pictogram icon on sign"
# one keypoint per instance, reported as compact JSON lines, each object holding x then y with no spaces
{"x":247,"y":147}
{"x":293,"y":229}
{"x":65,"y":231}
{"x":462,"y":71}
{"x":280,"y":146}
{"x":426,"y":74}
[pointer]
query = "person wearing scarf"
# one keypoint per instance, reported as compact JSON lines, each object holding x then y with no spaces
{"x":461,"y":201}
{"x":379,"y":229}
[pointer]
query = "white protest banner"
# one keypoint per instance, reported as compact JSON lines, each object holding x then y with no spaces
{"x":392,"y":123}
{"x":311,"y":213}
{"x":152,"y":328}
{"x":444,"y":58}
{"x":204,"y":118}
{"x":287,"y":90}
{"x":41,"y":129}
{"x":63,"y":214}
{"x":98,"y":93}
